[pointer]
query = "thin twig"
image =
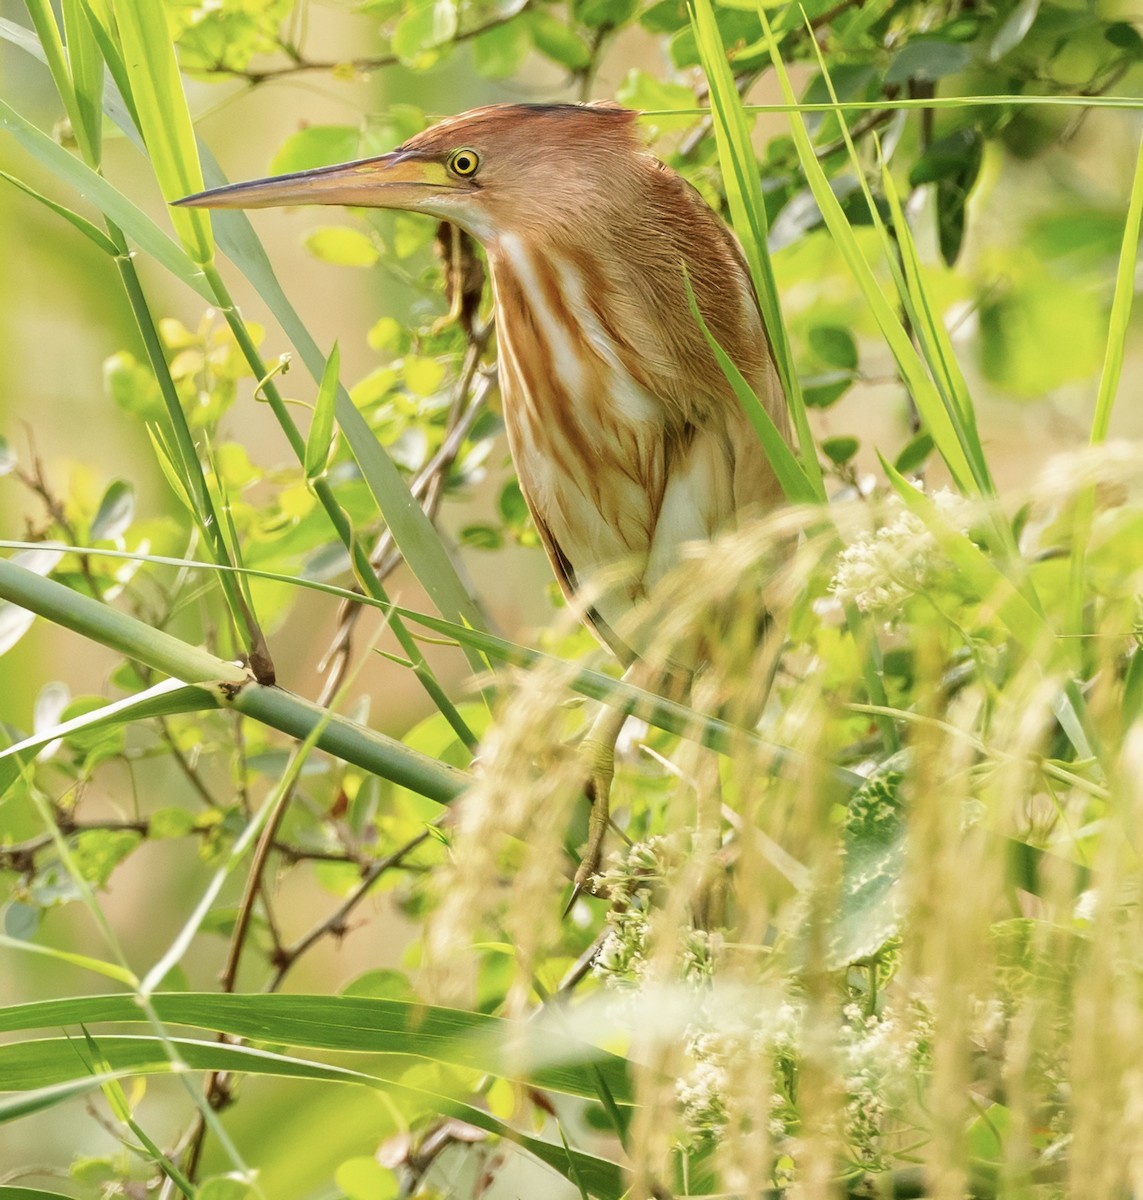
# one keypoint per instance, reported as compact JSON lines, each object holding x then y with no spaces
{"x":185,"y":765}
{"x":20,"y":857}
{"x":335,"y":923}
{"x":299,"y":63}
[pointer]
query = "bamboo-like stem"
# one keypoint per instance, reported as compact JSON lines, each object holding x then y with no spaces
{"x":229,"y":685}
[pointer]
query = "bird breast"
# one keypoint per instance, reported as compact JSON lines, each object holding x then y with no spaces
{"x":608,"y":484}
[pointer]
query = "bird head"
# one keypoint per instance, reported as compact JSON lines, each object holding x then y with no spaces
{"x":503,"y":168}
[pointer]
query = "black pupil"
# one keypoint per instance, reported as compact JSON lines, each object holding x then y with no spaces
{"x":464,"y":163}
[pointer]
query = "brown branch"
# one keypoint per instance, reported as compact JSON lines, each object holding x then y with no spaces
{"x":872,"y":120}
{"x":36,"y":481}
{"x":20,"y":856}
{"x":184,"y":764}
{"x":335,"y":923}
{"x":363,"y":66}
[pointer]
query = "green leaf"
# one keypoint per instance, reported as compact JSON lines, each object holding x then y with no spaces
{"x":111,"y":202}
{"x":426,"y":25}
{"x":8,"y":458}
{"x":556,"y":41}
{"x":423,"y":376}
{"x":342,"y":246}
{"x":21,"y":920}
{"x":365,"y":1178}
{"x":319,"y":444}
{"x":315,"y":146}
{"x":835,"y":346}
{"x":927,"y":59}
{"x":116,"y":512}
{"x":840,"y":449}
{"x":1124,"y":35}
{"x":950,"y":157}
{"x":870,"y":903}
{"x":500,"y":52}
{"x":820,"y":391}
{"x":604,"y":14}
{"x":914,"y":453}
{"x":165,"y":123}
{"x":665,"y":16}
{"x":1014,"y":30}
{"x":642,"y":91}
{"x":481,"y":537}
{"x":133,"y":387}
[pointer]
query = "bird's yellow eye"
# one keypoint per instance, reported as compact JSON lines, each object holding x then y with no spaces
{"x":463,"y":162}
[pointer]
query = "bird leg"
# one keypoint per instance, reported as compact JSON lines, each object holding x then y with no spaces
{"x":598,"y":751}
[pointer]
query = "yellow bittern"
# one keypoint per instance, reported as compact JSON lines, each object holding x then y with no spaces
{"x":627,"y":439}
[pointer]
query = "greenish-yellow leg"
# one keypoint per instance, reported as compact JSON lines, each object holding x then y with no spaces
{"x":598,"y":751}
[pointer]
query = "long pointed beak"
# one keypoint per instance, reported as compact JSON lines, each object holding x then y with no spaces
{"x":398,"y":180}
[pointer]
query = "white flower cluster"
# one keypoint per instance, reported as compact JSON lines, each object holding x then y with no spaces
{"x":631,"y":879}
{"x":768,"y":1042}
{"x":1108,"y":464}
{"x":878,"y":1060}
{"x":880,"y":570}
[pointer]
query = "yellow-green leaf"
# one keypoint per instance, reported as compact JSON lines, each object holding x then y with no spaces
{"x":320,"y":439}
{"x":157,"y":90}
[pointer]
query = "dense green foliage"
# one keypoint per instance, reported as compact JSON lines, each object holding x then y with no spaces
{"x":871,"y":931}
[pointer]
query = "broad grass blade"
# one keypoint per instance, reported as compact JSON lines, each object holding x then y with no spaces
{"x":795,"y":483}
{"x":26,"y":1065}
{"x":529,"y":1053}
{"x":913,"y":372}
{"x":1120,"y":309}
{"x":748,"y":215}
{"x":86,"y":64}
{"x":157,"y":91}
{"x":92,"y":232}
{"x":51,"y":44}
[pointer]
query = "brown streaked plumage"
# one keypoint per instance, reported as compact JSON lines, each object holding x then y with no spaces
{"x":626,"y":437}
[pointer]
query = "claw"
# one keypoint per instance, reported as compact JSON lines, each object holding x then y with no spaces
{"x":576,"y":892}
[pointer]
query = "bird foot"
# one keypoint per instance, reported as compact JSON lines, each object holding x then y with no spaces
{"x":599,"y":761}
